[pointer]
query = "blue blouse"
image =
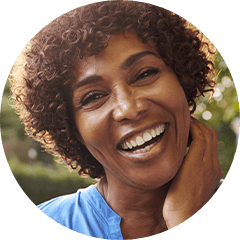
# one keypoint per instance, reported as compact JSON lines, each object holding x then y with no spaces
{"x":85,"y":212}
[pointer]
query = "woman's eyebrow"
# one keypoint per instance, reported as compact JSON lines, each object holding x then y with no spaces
{"x":87,"y":80}
{"x":125,"y":65}
{"x":135,"y":57}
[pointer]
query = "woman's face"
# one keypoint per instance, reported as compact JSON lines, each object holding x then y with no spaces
{"x":131,"y":112}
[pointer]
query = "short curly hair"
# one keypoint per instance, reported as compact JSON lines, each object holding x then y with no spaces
{"x":40,"y":97}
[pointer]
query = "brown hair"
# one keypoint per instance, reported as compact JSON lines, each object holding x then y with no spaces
{"x":40,"y":99}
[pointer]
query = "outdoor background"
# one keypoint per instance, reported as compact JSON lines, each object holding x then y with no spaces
{"x":42,"y":179}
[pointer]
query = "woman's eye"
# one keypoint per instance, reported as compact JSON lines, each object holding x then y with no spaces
{"x":147,"y":73}
{"x":90,"y":98}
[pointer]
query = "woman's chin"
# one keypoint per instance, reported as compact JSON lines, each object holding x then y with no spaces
{"x":151,"y":180}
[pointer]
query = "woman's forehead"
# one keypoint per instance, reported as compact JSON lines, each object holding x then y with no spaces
{"x":120,"y":47}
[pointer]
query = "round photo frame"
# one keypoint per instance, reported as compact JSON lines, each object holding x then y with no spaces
{"x":22,"y":218}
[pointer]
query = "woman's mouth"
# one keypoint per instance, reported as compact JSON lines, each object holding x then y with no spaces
{"x":143,"y":142}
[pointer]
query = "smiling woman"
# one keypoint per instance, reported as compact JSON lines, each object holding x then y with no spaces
{"x":132,"y":96}
{"x":110,"y":87}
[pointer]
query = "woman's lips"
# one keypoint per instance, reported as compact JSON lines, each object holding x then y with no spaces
{"x":139,"y":141}
{"x":149,"y":147}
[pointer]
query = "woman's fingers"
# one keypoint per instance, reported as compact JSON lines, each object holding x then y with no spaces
{"x":209,"y":139}
{"x":198,"y":141}
{"x":197,"y":178}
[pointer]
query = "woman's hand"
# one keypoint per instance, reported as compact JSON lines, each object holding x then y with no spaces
{"x":197,"y":178}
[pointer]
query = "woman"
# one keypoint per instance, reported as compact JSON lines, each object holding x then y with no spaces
{"x":110,"y":87}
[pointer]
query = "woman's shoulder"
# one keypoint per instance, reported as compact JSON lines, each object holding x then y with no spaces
{"x":59,"y":202}
{"x":85,"y":212}
{"x":57,"y":205}
{"x":64,"y":207}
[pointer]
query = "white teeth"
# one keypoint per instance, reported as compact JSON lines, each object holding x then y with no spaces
{"x":147,"y":148}
{"x":142,"y":150}
{"x":153,"y":133}
{"x":139,"y":141}
{"x":129,"y":145}
{"x":125,"y":146}
{"x":147,"y":136}
{"x":134,"y":144}
{"x":162,"y":128}
{"x":138,"y":150}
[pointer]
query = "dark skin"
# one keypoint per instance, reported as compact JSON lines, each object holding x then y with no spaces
{"x":180,"y":198}
{"x":186,"y":197}
{"x":142,"y":212}
{"x":119,"y":96}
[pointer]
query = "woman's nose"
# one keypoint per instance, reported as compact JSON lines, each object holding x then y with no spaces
{"x":128,"y":105}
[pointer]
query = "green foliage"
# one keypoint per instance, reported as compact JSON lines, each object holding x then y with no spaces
{"x":42,"y":179}
{"x":222,"y":113}
{"x":44,"y":183}
{"x":11,"y":126}
{"x":35,"y":171}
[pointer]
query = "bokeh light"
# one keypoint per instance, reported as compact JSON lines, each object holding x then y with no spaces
{"x":32,"y":153}
{"x":207,"y":115}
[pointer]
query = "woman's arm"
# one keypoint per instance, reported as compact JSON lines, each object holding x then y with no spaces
{"x":197,"y":179}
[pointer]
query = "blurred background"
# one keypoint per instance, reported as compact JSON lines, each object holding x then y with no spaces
{"x":41,"y":178}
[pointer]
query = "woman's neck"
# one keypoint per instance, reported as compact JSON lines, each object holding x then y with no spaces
{"x":140,"y":209}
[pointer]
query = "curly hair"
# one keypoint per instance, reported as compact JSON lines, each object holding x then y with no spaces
{"x":40,"y":97}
